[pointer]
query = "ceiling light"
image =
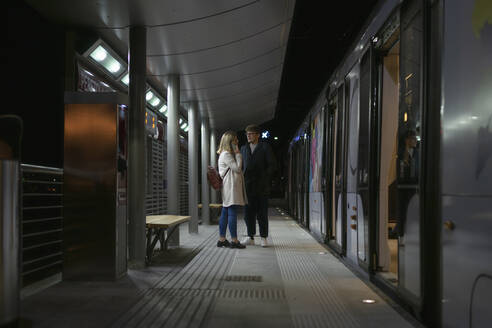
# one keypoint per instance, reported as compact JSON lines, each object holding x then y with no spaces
{"x":155,"y":102}
{"x":149,"y":95}
{"x":163,"y":109}
{"x":113,"y":66}
{"x":99,"y":54}
{"x":184,"y":125}
{"x":126,"y":79}
{"x":368,"y":301}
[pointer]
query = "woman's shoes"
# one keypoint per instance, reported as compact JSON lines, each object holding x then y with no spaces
{"x":237,"y":245}
{"x":224,"y":243}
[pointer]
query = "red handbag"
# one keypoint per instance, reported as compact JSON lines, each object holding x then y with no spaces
{"x":214,"y":179}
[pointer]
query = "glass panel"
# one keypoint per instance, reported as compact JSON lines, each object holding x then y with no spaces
{"x":409,"y":147}
{"x":339,"y":160}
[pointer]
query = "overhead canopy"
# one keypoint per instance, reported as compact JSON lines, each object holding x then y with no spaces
{"x":229,"y":53}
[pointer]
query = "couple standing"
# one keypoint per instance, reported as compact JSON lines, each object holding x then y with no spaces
{"x":246,"y":175}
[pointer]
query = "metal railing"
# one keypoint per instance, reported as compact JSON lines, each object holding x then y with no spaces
{"x":41,"y":223}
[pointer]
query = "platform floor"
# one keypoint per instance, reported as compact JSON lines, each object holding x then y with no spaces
{"x":295,"y":282}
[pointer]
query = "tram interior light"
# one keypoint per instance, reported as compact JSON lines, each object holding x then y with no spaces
{"x":265,"y":135}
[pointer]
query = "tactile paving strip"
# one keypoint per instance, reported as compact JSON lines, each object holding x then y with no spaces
{"x":183,"y":299}
{"x":312,"y":299}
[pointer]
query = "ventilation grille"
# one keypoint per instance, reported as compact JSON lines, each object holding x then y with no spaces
{"x":244,"y":278}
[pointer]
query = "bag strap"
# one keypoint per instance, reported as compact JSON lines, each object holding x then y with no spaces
{"x":226,"y":172}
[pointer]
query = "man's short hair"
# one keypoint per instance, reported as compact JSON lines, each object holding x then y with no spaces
{"x":253,"y":128}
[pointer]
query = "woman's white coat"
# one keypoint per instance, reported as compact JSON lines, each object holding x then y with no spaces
{"x":233,"y":189}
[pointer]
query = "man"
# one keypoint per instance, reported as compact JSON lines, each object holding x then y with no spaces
{"x":258,"y":167}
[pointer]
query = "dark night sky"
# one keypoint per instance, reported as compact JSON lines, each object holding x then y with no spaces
{"x":320,"y":35}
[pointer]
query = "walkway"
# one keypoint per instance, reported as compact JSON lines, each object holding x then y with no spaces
{"x":295,"y":282}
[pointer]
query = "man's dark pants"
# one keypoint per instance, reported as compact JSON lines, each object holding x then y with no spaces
{"x":257,"y":209}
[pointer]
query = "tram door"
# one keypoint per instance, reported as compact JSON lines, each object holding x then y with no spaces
{"x":352,"y":83}
{"x":329,"y":168}
{"x":339,"y":183}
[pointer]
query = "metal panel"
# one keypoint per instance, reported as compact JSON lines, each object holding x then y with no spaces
{"x":466,"y":164}
{"x":90,"y":197}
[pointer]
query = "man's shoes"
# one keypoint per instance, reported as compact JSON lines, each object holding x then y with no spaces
{"x":224,"y":243}
{"x":264,"y":242}
{"x":248,"y":241}
{"x":237,"y":245}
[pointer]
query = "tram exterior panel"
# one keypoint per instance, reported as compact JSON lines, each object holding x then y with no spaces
{"x":405,"y":204}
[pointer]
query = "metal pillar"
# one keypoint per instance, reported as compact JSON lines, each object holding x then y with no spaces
{"x":213,"y":162}
{"x":137,"y":141}
{"x":205,"y":164}
{"x":173,"y":152}
{"x":193,"y":178}
{"x":10,"y":257}
{"x":173,"y":145}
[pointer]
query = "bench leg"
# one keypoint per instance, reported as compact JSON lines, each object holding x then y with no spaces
{"x":169,"y":234}
{"x":149,"y":249}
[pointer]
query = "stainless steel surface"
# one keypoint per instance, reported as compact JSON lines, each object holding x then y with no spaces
{"x":9,"y":240}
{"x":172,"y":144}
{"x":205,"y":160}
{"x":193,"y":178}
{"x":173,"y":152}
{"x":466,"y":165}
{"x":137,"y":142}
{"x":213,"y":162}
{"x":93,"y":228}
{"x":228,"y":53}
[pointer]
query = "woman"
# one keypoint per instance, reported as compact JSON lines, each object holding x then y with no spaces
{"x":233,"y":192}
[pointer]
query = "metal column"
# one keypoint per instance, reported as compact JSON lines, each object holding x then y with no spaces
{"x":10,"y":136}
{"x":137,"y":141}
{"x":205,"y":164}
{"x":213,"y":162}
{"x":193,"y":178}
{"x":173,"y":152}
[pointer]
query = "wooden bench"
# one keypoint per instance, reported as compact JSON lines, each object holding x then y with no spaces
{"x":158,"y":226}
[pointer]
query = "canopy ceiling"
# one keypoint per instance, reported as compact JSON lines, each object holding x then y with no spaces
{"x":229,"y":53}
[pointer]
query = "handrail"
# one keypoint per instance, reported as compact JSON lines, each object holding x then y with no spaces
{"x":41,"y":169}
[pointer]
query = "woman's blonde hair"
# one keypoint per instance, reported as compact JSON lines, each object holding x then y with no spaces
{"x":226,"y":142}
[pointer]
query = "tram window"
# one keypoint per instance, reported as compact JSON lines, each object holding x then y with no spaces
{"x":363,"y":158}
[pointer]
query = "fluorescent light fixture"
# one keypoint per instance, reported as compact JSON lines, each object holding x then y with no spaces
{"x":113,"y":66}
{"x":149,"y":95}
{"x":368,"y":301}
{"x":184,"y":125}
{"x":99,"y":54}
{"x":155,"y":101}
{"x":276,"y":138}
{"x":180,"y":121}
{"x":163,"y":109}
{"x":126,"y":79}
{"x":186,"y":128}
{"x":103,"y":57}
